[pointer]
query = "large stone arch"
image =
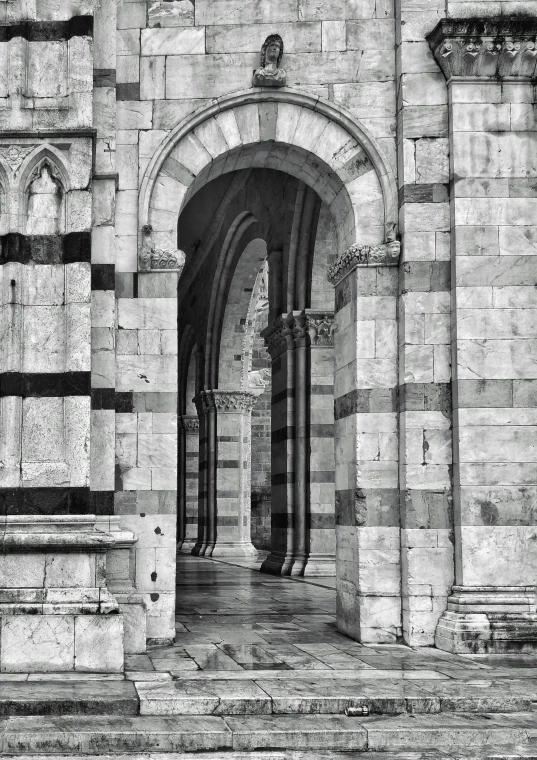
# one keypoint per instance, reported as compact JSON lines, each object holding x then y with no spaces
{"x":302,"y":135}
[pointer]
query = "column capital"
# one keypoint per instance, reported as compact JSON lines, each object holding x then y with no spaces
{"x":230,"y":402}
{"x":289,"y":331}
{"x":494,"y":48}
{"x":383,"y":255}
{"x":188,"y":423}
{"x":278,"y":336}
{"x":320,"y":326}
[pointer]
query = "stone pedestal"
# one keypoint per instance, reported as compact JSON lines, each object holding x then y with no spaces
{"x":489,"y":620}
{"x":56,"y":613}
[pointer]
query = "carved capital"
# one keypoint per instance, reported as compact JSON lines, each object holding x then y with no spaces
{"x":305,"y":328}
{"x":225,"y":401}
{"x":279,"y":335}
{"x":491,"y":48}
{"x":321,"y":328}
{"x":188,"y":423}
{"x":386,"y":255}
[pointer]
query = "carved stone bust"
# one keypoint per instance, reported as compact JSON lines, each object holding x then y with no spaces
{"x":270,"y":74}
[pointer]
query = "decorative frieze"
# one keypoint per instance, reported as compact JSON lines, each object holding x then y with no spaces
{"x":386,"y":255}
{"x":499,"y":47}
{"x":225,"y":401}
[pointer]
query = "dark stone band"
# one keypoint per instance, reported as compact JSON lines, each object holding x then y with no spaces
{"x":48,"y":31}
{"x":55,"y":501}
{"x":45,"y":249}
{"x":103,"y":277}
{"x":103,"y":398}
{"x":58,"y":384}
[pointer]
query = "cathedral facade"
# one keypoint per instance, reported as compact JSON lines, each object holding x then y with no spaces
{"x":268,"y":276}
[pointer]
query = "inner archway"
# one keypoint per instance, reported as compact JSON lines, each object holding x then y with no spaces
{"x":291,"y":172}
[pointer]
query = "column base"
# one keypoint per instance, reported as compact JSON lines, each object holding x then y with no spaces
{"x":277,"y":564}
{"x":234,"y":549}
{"x":320,"y":564}
{"x":186,"y":547}
{"x":489,"y":620}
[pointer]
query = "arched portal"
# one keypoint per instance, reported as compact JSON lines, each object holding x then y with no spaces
{"x":301,"y":176}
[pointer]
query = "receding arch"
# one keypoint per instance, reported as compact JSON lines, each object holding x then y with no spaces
{"x":307,"y":137}
{"x":230,"y":349}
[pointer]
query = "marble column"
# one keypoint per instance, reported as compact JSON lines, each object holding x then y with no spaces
{"x":280,"y":344}
{"x":494,"y":302}
{"x":187,"y":497}
{"x":227,"y":428}
{"x":206,"y":481}
{"x":366,"y":446}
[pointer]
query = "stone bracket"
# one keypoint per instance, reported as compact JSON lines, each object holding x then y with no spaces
{"x":386,"y":255}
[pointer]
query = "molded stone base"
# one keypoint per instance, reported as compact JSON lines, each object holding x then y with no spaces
{"x":321,"y":564}
{"x":489,"y":620}
{"x":236,"y":549}
{"x":277,"y":564}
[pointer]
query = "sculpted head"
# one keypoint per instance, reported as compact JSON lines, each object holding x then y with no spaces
{"x":272,"y":51}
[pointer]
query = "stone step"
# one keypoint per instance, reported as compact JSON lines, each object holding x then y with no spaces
{"x":101,"y":735}
{"x":322,"y":696}
{"x":509,"y":752}
{"x":81,"y":697}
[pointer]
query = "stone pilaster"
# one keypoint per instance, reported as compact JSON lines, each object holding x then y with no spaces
{"x":367,"y":519}
{"x":489,"y":65}
{"x":227,"y":487}
{"x":321,"y":508}
{"x":187,"y":496}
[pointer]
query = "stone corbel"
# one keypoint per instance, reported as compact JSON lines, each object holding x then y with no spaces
{"x":501,"y":47}
{"x":385,"y":255}
{"x":155,"y":259}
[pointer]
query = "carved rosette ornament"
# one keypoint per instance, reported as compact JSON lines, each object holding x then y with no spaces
{"x":230,"y":402}
{"x":490,"y":48}
{"x":386,"y":255}
{"x":153,"y":259}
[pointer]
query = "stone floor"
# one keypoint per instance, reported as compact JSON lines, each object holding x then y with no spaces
{"x":259,"y":672}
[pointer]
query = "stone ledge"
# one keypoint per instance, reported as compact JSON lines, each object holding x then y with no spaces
{"x":499,"y":47}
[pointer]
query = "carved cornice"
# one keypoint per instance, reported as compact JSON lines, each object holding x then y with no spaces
{"x":492,"y":48}
{"x":305,"y":328}
{"x":386,"y":255}
{"x":188,"y":423}
{"x":225,"y":401}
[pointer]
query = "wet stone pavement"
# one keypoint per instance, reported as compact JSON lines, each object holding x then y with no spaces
{"x":258,"y":671}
